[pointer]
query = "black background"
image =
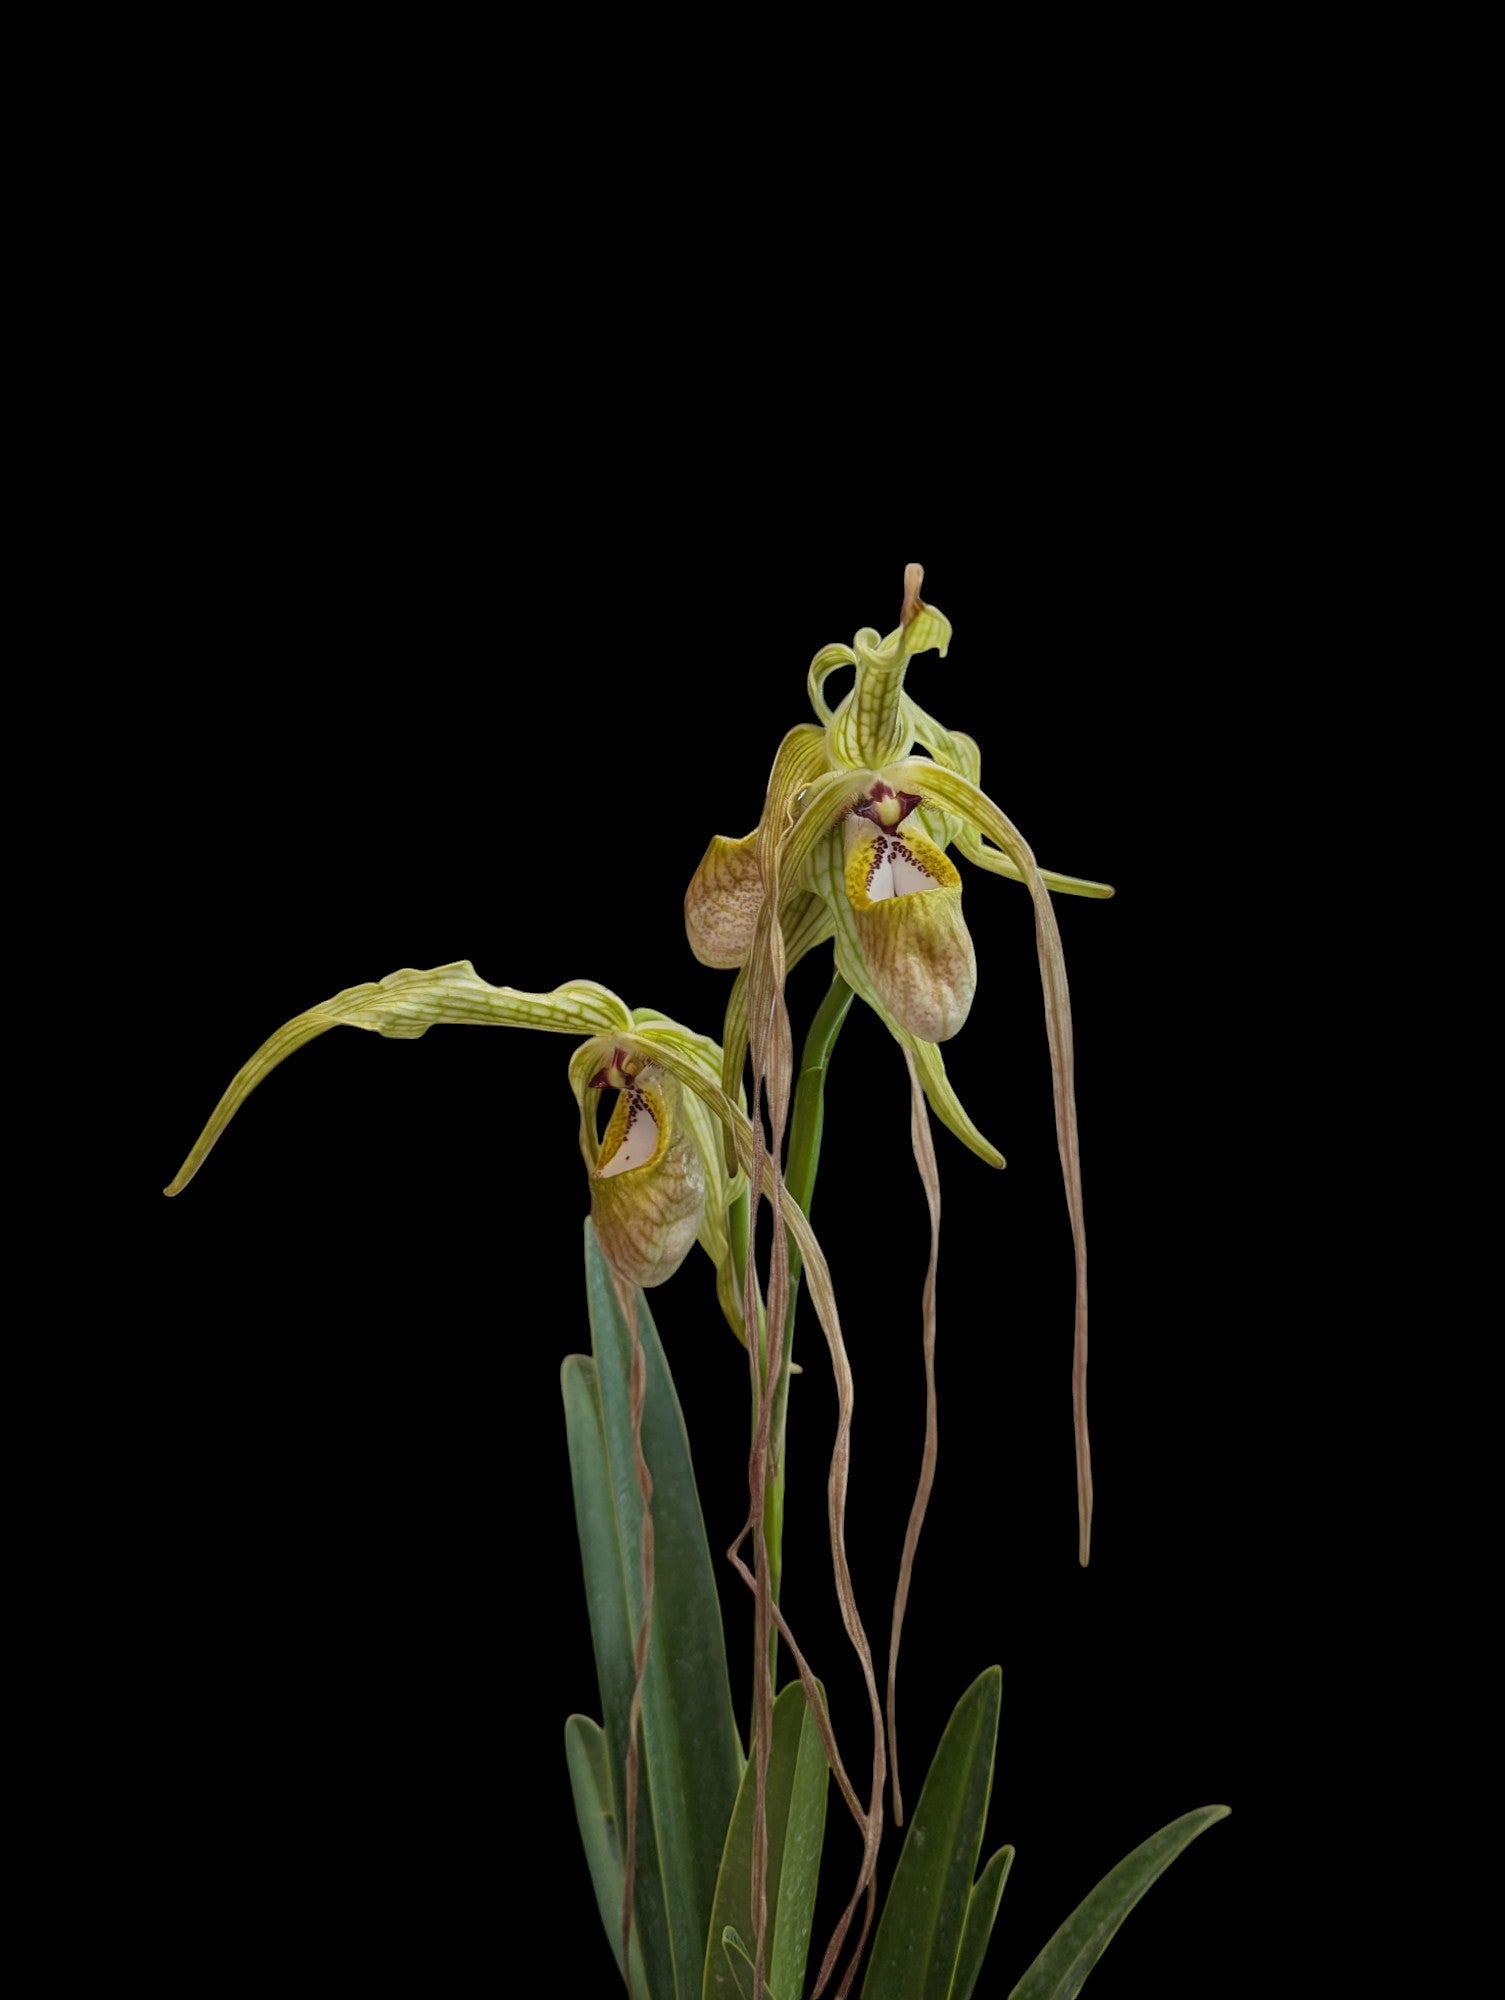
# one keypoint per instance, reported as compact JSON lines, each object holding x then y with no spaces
{"x":353,"y":1599}
{"x":446,"y":671}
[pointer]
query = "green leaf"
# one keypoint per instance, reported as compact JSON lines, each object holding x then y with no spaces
{"x":600,"y":1835}
{"x":690,"y":1754}
{"x":920,"y":1933}
{"x":1060,"y":1970}
{"x":982,"y":1911}
{"x":797,"y":1782}
{"x":612,"y":1636}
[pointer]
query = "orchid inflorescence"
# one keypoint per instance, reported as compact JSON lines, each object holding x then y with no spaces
{"x":852,"y":848}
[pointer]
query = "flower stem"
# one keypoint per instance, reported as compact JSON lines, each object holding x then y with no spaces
{"x":806,"y":1125}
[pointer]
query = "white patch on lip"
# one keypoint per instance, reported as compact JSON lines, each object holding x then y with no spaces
{"x":895,"y":872}
{"x":639,"y":1141}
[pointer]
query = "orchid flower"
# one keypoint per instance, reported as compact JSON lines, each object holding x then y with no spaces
{"x":860,"y":809}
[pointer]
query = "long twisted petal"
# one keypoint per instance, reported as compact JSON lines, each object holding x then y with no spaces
{"x":958,"y":794}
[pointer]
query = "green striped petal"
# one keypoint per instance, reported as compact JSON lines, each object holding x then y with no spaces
{"x":957,"y":794}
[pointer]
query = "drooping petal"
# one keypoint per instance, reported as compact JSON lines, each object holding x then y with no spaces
{"x":406,"y":1005}
{"x":754,"y":1158}
{"x":786,"y":846}
{"x":724,"y":1185}
{"x":806,"y":923}
{"x":906,"y":897}
{"x":957,"y":794}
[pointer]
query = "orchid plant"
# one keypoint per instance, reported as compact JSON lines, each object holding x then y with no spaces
{"x":704,"y":1847}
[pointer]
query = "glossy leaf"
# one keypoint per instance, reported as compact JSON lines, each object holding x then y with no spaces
{"x":919,"y":1936}
{"x":982,"y":1912}
{"x":691,"y":1757}
{"x":797,"y":1783}
{"x":1059,"y":1971}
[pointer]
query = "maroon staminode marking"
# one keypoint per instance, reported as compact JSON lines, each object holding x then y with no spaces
{"x":606,"y":1079}
{"x":880,"y":794}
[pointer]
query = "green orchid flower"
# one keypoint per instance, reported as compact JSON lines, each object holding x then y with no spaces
{"x":860,"y":811}
{"x":658,"y":1176}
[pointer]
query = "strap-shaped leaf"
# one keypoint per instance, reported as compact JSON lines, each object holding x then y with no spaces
{"x":982,"y":1912}
{"x":796,"y":1798}
{"x":1059,"y":1971}
{"x":600,"y":1835}
{"x":691,"y":1755}
{"x":605,"y":1561}
{"x":920,"y":1933}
